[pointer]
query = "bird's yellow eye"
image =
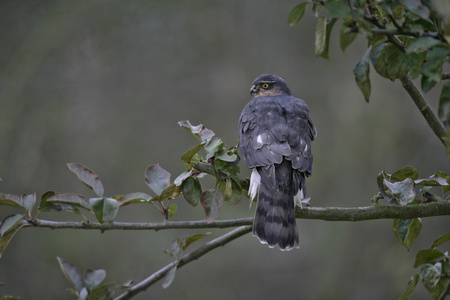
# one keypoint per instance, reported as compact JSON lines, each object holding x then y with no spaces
{"x":264,"y":85}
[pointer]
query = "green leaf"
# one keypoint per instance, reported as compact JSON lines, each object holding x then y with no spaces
{"x":321,"y":36}
{"x":105,"y":209}
{"x":178,"y":245}
{"x":46,"y":206}
{"x":378,"y":60}
{"x":410,"y":288}
{"x":390,"y":62}
{"x":444,"y":104}
{"x":347,"y":36}
{"x":170,"y":192}
{"x":440,"y":174}
{"x":11,"y":200}
{"x":435,"y":281}
{"x":432,"y":182}
{"x":226,"y":160}
{"x":427,"y":83}
{"x":191,"y":157}
{"x":175,"y":249}
{"x":29,"y":200}
{"x":103,"y":292}
{"x":172,"y":210}
{"x":93,"y":278}
{"x":169,"y":277}
{"x":427,"y":256}
{"x":191,"y":190}
{"x":411,"y":62}
{"x":228,"y":193}
{"x":199,"y":131}
{"x":361,"y":72}
{"x":422,"y":43}
{"x":297,"y":13}
{"x":406,"y":62}
{"x":416,"y":7}
{"x":70,"y":199}
{"x":406,"y":231}
{"x":133,"y":198}
{"x":211,"y":201}
{"x":337,"y":9}
{"x":441,"y":240}
{"x":229,"y":155}
{"x":432,"y":67}
{"x":8,"y":229}
{"x":323,"y":32}
{"x":401,"y":192}
{"x":182,"y":177}
{"x":72,"y":274}
{"x":406,"y":172}
{"x":10,"y":223}
{"x":396,"y":62}
{"x":87,"y":177}
{"x":185,"y":242}
{"x":157,"y":178}
{"x":213,"y":147}
{"x":431,"y":273}
{"x":232,"y":193}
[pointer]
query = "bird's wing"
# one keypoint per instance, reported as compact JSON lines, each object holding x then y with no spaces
{"x":274,"y":127}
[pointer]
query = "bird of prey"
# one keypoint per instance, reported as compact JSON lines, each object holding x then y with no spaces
{"x":275,"y":133}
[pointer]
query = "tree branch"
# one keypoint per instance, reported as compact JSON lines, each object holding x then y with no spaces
{"x":211,"y":245}
{"x":142,"y":226}
{"x":424,"y":107}
{"x":345,"y":214}
{"x":375,"y":212}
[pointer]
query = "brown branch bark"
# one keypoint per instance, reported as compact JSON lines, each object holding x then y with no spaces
{"x":424,"y":107}
{"x":343,"y":214}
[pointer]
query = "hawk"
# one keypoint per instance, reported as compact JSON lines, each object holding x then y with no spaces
{"x":275,"y":133}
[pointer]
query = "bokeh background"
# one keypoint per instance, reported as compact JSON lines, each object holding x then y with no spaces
{"x":104,"y":83}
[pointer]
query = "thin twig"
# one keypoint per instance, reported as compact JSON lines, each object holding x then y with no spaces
{"x":211,"y":245}
{"x":424,"y":107}
{"x":404,"y":32}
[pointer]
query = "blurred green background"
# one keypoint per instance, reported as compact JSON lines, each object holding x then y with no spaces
{"x":104,"y":83}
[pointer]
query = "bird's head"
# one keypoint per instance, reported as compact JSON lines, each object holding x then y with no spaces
{"x":269,"y":85}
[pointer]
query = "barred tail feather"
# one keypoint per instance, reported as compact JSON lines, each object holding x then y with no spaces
{"x":274,"y":222}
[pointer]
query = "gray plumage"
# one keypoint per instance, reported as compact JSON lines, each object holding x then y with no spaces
{"x":275,"y":133}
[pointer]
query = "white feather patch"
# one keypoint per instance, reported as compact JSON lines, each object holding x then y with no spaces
{"x":255,"y":182}
{"x":259,"y":139}
{"x":298,"y":198}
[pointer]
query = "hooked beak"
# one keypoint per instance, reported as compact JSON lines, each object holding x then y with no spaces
{"x":254,"y":89}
